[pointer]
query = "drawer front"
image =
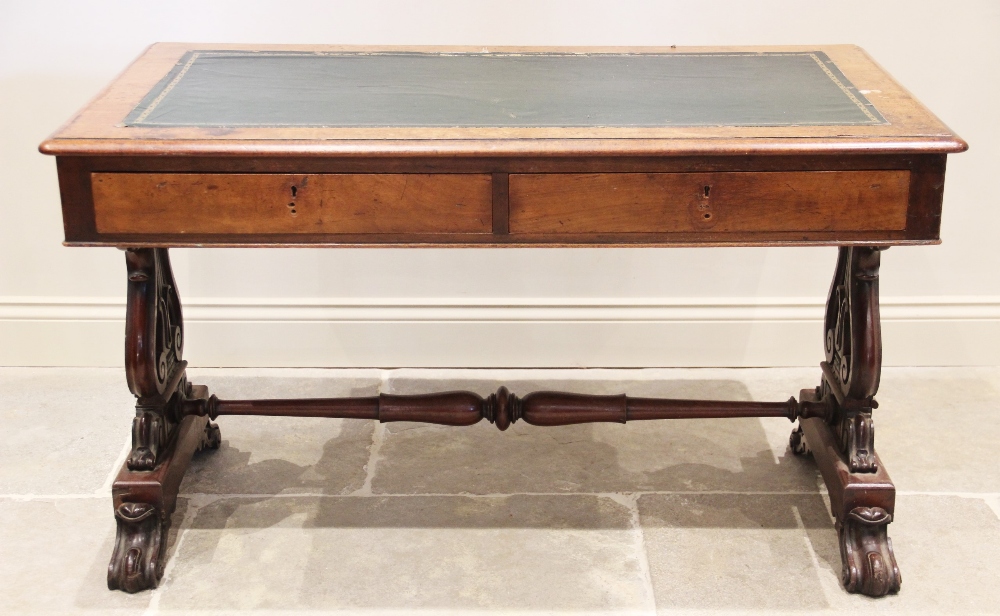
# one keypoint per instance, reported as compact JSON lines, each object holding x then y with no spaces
{"x":171,"y":203}
{"x":708,"y":202}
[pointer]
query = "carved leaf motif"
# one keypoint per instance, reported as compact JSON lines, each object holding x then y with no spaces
{"x":133,"y":513}
{"x":870,"y":515}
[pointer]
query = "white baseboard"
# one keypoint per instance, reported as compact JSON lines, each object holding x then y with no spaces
{"x":487,"y":332}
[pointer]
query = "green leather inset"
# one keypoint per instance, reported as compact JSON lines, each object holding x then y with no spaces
{"x":273,"y":89}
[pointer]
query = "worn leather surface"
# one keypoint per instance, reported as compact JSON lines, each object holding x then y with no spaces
{"x":260,"y":89}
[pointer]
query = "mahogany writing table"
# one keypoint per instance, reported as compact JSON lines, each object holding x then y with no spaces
{"x":228,"y":145}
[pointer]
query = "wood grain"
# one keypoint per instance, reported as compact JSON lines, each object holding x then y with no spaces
{"x":98,"y":128}
{"x":465,"y":408}
{"x":180,"y":203}
{"x":708,"y":202}
{"x":923,"y":214}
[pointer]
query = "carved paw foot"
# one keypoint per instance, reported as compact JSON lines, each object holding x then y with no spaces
{"x":866,"y":550}
{"x":149,"y":436}
{"x":797,"y":442}
{"x":137,"y":562}
{"x":211,"y":438}
{"x":141,"y":459}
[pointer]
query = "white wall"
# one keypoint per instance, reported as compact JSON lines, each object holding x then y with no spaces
{"x":64,"y":306}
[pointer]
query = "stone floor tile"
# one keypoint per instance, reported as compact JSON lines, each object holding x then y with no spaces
{"x":938,"y":429}
{"x":443,"y":553}
{"x":54,"y":558}
{"x":731,"y":552}
{"x":63,"y":428}
{"x":275,"y":455}
{"x":434,"y":547}
{"x":732,"y":454}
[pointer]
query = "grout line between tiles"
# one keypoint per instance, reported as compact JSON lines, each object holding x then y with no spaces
{"x":631,"y":502}
{"x":153,"y":607}
{"x":817,"y":567}
{"x":375,"y":453}
{"x":982,"y":495}
{"x":49,"y":497}
{"x":378,"y":438}
{"x":824,"y":493}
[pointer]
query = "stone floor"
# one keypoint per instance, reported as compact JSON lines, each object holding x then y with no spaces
{"x":339,"y":516}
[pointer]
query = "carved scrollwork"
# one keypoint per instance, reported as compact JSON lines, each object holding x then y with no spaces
{"x":857,"y":441}
{"x":137,"y":562}
{"x":853,"y":331}
{"x":838,"y":334}
{"x":853,"y":345}
{"x":154,"y":337}
{"x":155,"y":370}
{"x":154,"y":345}
{"x":866,"y":551}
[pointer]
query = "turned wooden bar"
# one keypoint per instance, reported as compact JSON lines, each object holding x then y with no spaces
{"x":543,"y":408}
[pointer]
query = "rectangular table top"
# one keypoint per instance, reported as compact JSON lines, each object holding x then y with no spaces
{"x":240,"y":145}
{"x":236,"y":99}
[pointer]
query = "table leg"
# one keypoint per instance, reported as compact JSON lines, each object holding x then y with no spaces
{"x":163,"y":439}
{"x":835,"y":424}
{"x":862,"y":496}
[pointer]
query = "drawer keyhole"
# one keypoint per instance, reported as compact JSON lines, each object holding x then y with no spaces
{"x":291,"y":205}
{"x":705,"y":206}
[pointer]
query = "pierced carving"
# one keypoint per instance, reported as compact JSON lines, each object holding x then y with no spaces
{"x":153,"y":349}
{"x":838,"y":332}
{"x":156,"y":375}
{"x":853,"y":354}
{"x":137,"y":562}
{"x":866,"y":551}
{"x":154,"y":329}
{"x":853,"y":345}
{"x":853,"y":331}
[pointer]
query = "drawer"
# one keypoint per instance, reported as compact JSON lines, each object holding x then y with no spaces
{"x":170,"y":203}
{"x":708,"y":202}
